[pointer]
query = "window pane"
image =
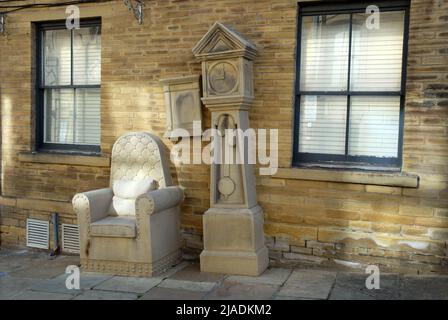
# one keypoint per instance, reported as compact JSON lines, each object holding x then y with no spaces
{"x":87,"y":55}
{"x":57,"y":55}
{"x":58,"y":116}
{"x":376,"y":57}
{"x":374,"y":126}
{"x":322,"y":124}
{"x":324,"y":52}
{"x":87,"y":116}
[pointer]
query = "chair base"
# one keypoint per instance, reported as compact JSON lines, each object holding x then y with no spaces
{"x":133,"y":269}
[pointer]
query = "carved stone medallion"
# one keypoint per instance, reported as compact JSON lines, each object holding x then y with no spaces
{"x":226,"y":186}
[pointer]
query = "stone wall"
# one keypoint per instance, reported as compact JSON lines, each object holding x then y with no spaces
{"x":320,"y":221}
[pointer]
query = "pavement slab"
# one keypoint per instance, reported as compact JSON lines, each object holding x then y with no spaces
{"x":193,"y":273}
{"x":242,"y":291}
{"x":57,"y":284}
{"x":424,"y":288}
{"x":29,"y":274}
{"x":45,"y":268}
{"x":10,"y":286}
{"x":274,"y":276}
{"x":187,"y":285}
{"x":158,"y":293}
{"x":171,"y":271}
{"x":352,"y":286}
{"x":36,"y":295}
{"x":128,"y":284}
{"x":106,"y":295}
{"x":309,"y":284}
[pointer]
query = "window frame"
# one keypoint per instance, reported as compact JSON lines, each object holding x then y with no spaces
{"x":301,"y":159}
{"x":40,"y":89}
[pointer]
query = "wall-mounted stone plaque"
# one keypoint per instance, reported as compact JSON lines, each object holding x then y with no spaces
{"x":183,"y":104}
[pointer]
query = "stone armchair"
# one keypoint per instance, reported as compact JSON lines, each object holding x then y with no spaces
{"x":145,"y":240}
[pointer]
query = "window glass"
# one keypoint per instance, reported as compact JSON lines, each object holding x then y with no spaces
{"x":324,"y":52}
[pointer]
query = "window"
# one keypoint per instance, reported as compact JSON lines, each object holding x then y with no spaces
{"x":350,"y":85}
{"x":68,"y":87}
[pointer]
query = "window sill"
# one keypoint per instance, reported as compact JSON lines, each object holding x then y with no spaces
{"x":63,"y":158}
{"x":394,"y":179}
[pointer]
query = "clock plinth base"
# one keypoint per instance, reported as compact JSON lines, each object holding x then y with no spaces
{"x":234,"y":241}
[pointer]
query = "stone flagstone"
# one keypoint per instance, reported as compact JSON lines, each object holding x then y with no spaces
{"x":424,"y":288}
{"x":45,"y":268}
{"x":158,"y":293}
{"x":274,"y":276}
{"x":37,"y":295}
{"x":231,"y":290}
{"x":57,"y":284}
{"x":309,"y":284}
{"x":193,"y":273}
{"x":106,"y":295}
{"x":187,"y":285}
{"x":10,"y":286}
{"x":352,"y":286}
{"x":128,"y":284}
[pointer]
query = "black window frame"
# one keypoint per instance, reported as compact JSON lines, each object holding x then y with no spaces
{"x":40,"y":89}
{"x":343,"y":161}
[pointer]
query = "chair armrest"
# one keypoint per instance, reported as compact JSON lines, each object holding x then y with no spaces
{"x":93,"y":203}
{"x":159,"y":200}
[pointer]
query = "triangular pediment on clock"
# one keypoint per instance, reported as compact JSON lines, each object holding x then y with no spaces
{"x":221,"y":39}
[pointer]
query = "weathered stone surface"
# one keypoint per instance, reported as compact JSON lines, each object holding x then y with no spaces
{"x":172,"y":294}
{"x":37,"y":295}
{"x":424,"y":288}
{"x":230,"y":290}
{"x":187,"y":285}
{"x":58,"y":285}
{"x":10,"y":286}
{"x":272,"y":276}
{"x":128,"y":284}
{"x":48,"y":268}
{"x":352,"y":286}
{"x":193,"y":273}
{"x":310,"y":284}
{"x":173,"y":270}
{"x":106,"y":295}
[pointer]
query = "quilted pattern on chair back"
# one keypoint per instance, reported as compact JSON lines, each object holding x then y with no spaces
{"x":140,"y":155}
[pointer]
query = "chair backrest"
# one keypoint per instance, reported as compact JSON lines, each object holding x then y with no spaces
{"x":140,"y":155}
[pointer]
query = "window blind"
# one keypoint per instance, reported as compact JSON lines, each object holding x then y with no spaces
{"x":324,"y":58}
{"x":87,"y":56}
{"x":376,"y":55}
{"x":323,"y":123}
{"x":374,"y":123}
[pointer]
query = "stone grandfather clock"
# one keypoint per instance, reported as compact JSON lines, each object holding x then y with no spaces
{"x":233,"y":226}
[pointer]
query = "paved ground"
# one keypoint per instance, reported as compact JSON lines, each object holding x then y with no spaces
{"x":32,"y":275}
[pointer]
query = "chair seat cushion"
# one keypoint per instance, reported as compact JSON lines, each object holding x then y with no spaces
{"x":119,"y":226}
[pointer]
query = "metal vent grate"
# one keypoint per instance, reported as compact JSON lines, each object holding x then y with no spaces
{"x":37,"y":233}
{"x":70,"y":238}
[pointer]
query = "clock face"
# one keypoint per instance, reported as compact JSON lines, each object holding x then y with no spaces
{"x":223,"y":77}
